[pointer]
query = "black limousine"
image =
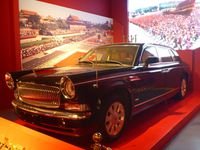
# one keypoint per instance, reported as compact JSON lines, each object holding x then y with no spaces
{"x":109,"y":84}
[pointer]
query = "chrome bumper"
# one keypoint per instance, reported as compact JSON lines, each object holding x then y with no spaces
{"x":50,"y":112}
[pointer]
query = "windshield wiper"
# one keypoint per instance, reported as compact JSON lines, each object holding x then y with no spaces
{"x":87,"y":61}
{"x":107,"y":61}
{"x":114,"y":62}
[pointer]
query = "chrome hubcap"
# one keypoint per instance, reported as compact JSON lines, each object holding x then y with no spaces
{"x":183,"y":87}
{"x":114,"y":119}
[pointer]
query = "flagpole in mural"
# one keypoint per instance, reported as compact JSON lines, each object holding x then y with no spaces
{"x":52,"y":35}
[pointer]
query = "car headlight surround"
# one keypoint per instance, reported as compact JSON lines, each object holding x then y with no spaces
{"x":9,"y":81}
{"x":67,"y":88}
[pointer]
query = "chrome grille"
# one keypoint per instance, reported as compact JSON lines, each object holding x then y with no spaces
{"x":38,"y":94}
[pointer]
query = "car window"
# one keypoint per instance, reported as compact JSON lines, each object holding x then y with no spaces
{"x":164,"y":54}
{"x":112,"y":54}
{"x":175,"y":55}
{"x":149,"y":52}
{"x":122,"y":54}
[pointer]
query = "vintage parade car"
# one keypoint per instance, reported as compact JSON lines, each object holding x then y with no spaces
{"x":109,"y":84}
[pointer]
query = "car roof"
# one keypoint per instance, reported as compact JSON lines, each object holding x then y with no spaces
{"x":129,"y":44}
{"x":120,"y":44}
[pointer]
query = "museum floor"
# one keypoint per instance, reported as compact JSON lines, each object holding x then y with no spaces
{"x":188,"y":138}
{"x":160,"y":127}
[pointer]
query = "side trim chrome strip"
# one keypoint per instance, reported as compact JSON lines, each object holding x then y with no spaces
{"x":117,"y":76}
{"x":51,"y":113}
{"x":155,"y":97}
{"x":106,"y":78}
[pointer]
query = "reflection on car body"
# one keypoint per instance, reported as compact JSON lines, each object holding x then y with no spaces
{"x":108,"y":85}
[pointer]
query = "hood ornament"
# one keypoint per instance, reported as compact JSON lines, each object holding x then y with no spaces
{"x":97,"y":138}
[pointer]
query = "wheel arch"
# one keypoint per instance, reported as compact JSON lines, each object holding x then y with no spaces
{"x":107,"y":100}
{"x":186,"y":75}
{"x":121,"y":91}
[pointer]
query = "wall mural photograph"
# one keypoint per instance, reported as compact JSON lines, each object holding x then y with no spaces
{"x":52,"y":35}
{"x":175,"y":23}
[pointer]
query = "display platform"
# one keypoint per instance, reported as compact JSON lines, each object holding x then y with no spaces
{"x":17,"y":137}
{"x":151,"y":129}
{"x":154,"y":128}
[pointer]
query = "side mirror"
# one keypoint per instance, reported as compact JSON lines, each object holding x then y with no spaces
{"x":151,"y":60}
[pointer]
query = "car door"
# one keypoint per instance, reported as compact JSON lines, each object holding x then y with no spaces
{"x":171,"y":71}
{"x":150,"y":85}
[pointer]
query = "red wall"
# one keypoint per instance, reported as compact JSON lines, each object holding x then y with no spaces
{"x":192,"y":58}
{"x":196,"y":71}
{"x":187,"y":57}
{"x":9,"y":47}
{"x":120,"y":20}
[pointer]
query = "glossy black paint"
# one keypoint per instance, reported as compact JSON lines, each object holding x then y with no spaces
{"x":145,"y":85}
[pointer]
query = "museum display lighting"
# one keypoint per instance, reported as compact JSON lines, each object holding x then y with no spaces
{"x":9,"y":81}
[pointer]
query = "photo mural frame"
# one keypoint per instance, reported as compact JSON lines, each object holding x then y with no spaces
{"x":56,"y":36}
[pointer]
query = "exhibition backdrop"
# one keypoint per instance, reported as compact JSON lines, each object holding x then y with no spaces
{"x":175,"y":23}
{"x":52,"y":35}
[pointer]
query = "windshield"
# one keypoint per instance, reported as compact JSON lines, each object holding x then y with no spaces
{"x":120,"y":55}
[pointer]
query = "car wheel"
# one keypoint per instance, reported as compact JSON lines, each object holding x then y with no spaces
{"x":183,"y":89}
{"x":114,"y":117}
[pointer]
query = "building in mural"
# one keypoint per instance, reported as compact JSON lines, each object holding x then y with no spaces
{"x":52,"y":35}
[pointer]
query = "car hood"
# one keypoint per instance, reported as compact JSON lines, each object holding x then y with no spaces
{"x":75,"y":73}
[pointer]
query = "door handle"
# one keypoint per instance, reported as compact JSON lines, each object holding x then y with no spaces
{"x":165,"y":70}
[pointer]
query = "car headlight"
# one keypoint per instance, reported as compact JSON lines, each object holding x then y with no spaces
{"x":9,"y":81}
{"x":67,"y":87}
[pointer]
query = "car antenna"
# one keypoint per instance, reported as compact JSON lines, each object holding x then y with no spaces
{"x":95,"y":85}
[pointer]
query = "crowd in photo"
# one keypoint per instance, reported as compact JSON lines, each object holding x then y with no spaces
{"x":33,"y":50}
{"x":179,"y":30}
{"x":30,"y":51}
{"x":28,"y":33}
{"x":32,"y":33}
{"x":62,"y":32}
